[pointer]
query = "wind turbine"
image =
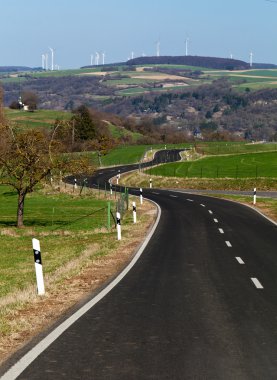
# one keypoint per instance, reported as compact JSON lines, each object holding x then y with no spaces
{"x":251,"y":59}
{"x":158,"y":45}
{"x":132,"y":55}
{"x":97,"y":58}
{"x":43,"y":61}
{"x":103,"y":58}
{"x":187,"y":45}
{"x":91,"y":59}
{"x":52,"y":58}
{"x":46,"y":61}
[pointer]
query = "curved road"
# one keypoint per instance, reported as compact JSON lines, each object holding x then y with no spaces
{"x":199,"y":304}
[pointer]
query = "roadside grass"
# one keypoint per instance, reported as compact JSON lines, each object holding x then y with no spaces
{"x":60,"y":220}
{"x":142,"y":179}
{"x":248,"y":165}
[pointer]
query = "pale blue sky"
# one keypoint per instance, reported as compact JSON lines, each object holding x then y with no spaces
{"x":79,"y":28}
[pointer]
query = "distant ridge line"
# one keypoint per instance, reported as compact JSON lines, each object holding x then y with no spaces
{"x":207,"y":62}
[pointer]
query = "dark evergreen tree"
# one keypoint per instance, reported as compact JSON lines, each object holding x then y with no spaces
{"x":84,"y":128}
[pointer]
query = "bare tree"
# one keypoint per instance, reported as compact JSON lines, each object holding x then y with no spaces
{"x":27,"y":157}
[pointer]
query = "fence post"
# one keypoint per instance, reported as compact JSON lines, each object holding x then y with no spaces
{"x":254,"y":196}
{"x":134,"y":212}
{"x":38,"y":267}
{"x":150,"y":183}
{"x":118,"y":226}
{"x":127,"y":197}
{"x":109,"y":216}
{"x":75,"y":184}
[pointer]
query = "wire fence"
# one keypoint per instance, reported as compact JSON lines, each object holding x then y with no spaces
{"x":198,"y":171}
{"x":104,"y":217}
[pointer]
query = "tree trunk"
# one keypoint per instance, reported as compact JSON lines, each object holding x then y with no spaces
{"x":20,"y":208}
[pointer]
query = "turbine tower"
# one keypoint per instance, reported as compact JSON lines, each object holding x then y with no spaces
{"x":91,"y":59}
{"x":132,"y":55}
{"x":187,"y":46}
{"x":97,"y":58}
{"x":251,"y":59}
{"x":43,"y":61}
{"x":158,"y":45}
{"x":52,"y":58}
{"x":46,"y":61}
{"x":103,"y":58}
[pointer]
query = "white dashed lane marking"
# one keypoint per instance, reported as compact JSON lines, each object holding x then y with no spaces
{"x":190,"y":200}
{"x":215,"y":220}
{"x":173,"y":196}
{"x":228,"y":243}
{"x":210,"y":211}
{"x":221,"y":230}
{"x":257,"y":283}
{"x":239,"y":260}
{"x":202,"y":205}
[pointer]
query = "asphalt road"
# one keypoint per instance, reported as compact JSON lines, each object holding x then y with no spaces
{"x":199,"y":304}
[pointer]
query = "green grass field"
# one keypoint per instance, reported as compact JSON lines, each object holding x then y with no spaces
{"x":252,"y":165}
{"x":214,"y":148}
{"x":58,"y":220}
{"x":36,"y":119}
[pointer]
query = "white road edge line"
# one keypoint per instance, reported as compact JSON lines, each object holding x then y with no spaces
{"x":221,"y":230}
{"x":257,"y":283}
{"x":228,"y":243}
{"x":239,"y":260}
{"x":28,"y":358}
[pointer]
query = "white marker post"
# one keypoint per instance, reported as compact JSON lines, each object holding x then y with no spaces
{"x":254,"y":196}
{"x":118,"y":173}
{"x":111,"y":188}
{"x":75,"y":184}
{"x":134,"y":212}
{"x":118,"y":226}
{"x":117,"y":178}
{"x":140,"y":196}
{"x":38,"y":267}
{"x":150,"y":183}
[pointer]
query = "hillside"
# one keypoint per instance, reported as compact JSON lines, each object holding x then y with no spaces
{"x":208,"y":62}
{"x":178,"y":98}
{"x":13,"y":69}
